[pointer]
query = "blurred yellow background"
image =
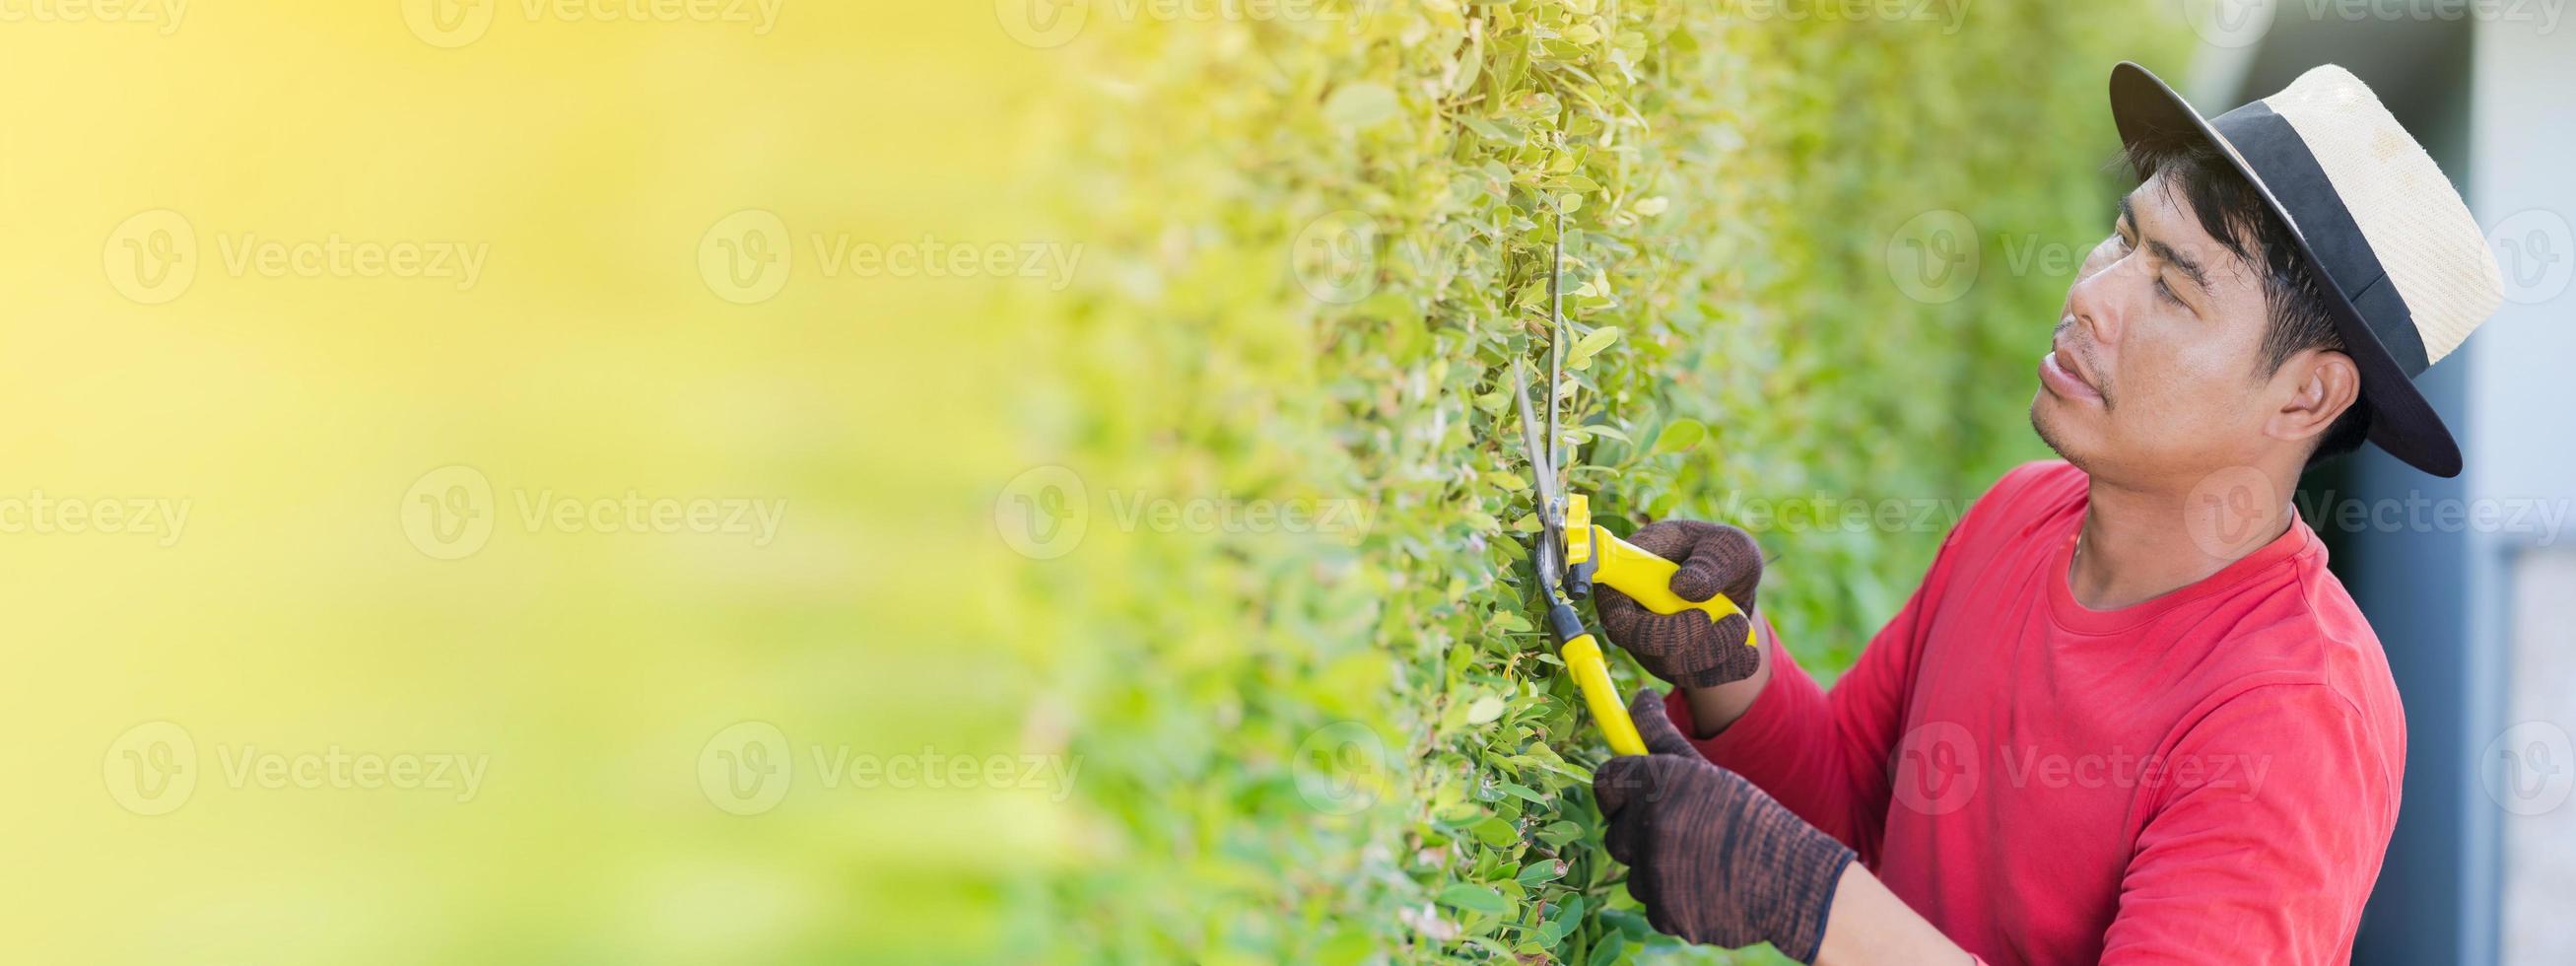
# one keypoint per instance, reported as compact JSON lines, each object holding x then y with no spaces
{"x":261,"y":350}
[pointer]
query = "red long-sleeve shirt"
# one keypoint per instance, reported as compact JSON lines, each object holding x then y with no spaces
{"x":2210,"y":776}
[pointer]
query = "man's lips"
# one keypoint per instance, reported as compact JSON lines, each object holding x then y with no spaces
{"x":2063,"y":377}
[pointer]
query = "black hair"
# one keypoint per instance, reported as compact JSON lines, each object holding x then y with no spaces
{"x":2232,"y":211}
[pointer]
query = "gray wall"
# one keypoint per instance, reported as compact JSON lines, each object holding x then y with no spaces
{"x":2521,"y":407}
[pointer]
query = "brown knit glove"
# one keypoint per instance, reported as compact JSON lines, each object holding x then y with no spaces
{"x":1686,"y":648}
{"x":1714,"y":859}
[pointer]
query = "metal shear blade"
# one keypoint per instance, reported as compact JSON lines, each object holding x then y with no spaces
{"x":1544,"y":465}
{"x":1550,"y":556}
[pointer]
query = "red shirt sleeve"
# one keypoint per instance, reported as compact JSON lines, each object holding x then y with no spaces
{"x":2276,"y":811}
{"x":1825,"y":756}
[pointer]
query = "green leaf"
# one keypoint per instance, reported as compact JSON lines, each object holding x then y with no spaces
{"x":1612,"y":432}
{"x":1579,"y":358}
{"x":1679,"y":436}
{"x":1507,"y":135}
{"x":1484,"y":709}
{"x":1544,"y":870}
{"x":1628,"y":922}
{"x":1596,"y":340}
{"x":1475,"y":898}
{"x":1568,"y":913}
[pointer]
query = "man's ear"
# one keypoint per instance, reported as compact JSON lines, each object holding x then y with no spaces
{"x":2316,"y":386}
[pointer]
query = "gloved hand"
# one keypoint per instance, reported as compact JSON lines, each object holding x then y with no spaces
{"x":1714,"y":859}
{"x":1686,"y":648}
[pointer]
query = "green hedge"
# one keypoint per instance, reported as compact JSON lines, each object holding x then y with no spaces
{"x":1317,"y":247}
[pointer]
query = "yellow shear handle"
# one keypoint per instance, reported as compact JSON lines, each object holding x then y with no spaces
{"x":1584,"y":658}
{"x":1648,"y":579}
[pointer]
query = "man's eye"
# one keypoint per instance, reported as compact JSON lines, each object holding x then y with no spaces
{"x":2166,"y":292}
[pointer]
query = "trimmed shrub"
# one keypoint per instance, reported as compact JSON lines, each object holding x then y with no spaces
{"x":1294,"y":647}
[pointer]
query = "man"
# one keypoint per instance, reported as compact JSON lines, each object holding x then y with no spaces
{"x":2128,"y":716}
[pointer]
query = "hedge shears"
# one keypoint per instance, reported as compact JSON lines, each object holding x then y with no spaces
{"x":1570,"y":553}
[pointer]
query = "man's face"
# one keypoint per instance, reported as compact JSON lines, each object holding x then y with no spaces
{"x":2151,"y":376}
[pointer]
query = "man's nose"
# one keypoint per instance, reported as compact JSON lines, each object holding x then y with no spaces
{"x":2096,"y":304}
